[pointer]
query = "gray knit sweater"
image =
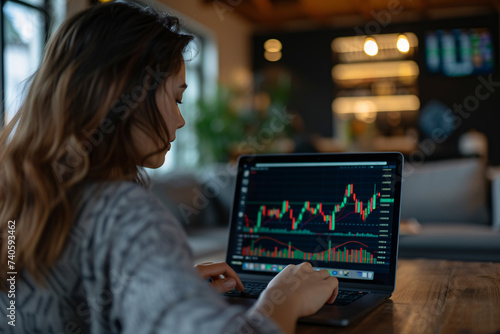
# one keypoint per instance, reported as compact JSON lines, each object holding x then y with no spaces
{"x":126,"y":268}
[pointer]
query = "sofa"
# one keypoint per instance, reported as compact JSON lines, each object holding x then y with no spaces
{"x":457,"y":206}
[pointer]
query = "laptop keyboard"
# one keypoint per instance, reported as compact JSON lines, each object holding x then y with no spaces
{"x":346,"y":297}
{"x":254,"y":289}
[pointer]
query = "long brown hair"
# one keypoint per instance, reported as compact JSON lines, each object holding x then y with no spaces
{"x":97,"y":80}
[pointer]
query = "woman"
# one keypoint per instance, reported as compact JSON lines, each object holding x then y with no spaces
{"x":90,"y":250}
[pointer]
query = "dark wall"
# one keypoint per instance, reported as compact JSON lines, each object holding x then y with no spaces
{"x":307,"y":56}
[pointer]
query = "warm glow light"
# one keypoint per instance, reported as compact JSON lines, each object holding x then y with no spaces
{"x":386,"y":69}
{"x":367,"y":117}
{"x":371,"y":47}
{"x":272,"y":45}
{"x":364,"y":107}
{"x":272,"y":56}
{"x":403,"y":44}
{"x":366,"y":104}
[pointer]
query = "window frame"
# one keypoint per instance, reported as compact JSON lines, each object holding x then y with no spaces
{"x":44,"y":10}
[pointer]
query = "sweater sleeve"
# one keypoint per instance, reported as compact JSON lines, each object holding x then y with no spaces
{"x":154,"y":285}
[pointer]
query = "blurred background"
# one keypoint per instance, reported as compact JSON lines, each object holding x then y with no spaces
{"x":278,"y":76}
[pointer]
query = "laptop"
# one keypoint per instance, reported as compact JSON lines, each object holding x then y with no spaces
{"x":340,"y":212}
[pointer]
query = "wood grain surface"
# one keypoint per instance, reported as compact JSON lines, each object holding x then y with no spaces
{"x":434,"y":296}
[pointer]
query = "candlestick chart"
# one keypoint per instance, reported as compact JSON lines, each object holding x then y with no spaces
{"x":312,"y":218}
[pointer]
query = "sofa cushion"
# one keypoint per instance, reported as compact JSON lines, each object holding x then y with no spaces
{"x":450,"y":191}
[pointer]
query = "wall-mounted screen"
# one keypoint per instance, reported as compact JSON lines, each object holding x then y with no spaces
{"x":459,"y":52}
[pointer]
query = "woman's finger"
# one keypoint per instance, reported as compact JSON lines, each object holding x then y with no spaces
{"x":324,"y":273}
{"x":214,"y":270}
{"x":224,"y":285}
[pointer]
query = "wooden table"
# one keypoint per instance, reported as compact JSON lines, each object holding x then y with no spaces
{"x":434,"y":296}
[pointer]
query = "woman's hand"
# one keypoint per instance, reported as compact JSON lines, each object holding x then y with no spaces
{"x":305,"y":287}
{"x":222,"y":277}
{"x":297,"y":291}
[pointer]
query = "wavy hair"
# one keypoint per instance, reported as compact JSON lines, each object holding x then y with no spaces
{"x":97,"y":81}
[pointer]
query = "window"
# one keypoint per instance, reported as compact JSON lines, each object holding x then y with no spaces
{"x":25,"y":26}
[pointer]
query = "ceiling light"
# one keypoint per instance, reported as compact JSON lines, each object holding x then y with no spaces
{"x":272,"y":56}
{"x":403,"y":44}
{"x":272,"y":45}
{"x":371,"y":47}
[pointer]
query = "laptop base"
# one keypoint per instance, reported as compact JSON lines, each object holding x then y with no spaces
{"x":331,"y":315}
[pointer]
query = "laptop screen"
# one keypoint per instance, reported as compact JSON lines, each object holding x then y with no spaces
{"x":339,"y":212}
